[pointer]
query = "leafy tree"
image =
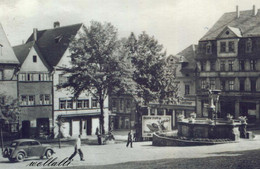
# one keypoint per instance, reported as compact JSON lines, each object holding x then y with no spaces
{"x":150,"y":70}
{"x":95,"y":66}
{"x":9,"y":108}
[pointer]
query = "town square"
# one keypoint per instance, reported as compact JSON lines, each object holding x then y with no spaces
{"x":129,"y":84}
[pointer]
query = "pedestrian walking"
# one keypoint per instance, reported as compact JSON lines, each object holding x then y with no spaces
{"x":130,"y":139}
{"x":78,"y":149}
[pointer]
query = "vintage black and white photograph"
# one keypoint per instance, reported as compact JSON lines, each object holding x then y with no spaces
{"x":129,"y":84}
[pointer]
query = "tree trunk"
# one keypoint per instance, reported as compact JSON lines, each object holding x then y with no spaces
{"x":101,"y":120}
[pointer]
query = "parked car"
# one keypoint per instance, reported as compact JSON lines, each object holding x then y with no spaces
{"x":20,"y":149}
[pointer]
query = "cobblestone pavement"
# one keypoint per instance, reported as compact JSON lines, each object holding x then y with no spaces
{"x":141,"y":151}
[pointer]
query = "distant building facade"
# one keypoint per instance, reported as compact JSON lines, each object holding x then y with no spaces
{"x":228,"y":60}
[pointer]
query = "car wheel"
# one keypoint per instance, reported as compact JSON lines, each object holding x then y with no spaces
{"x":48,"y":153}
{"x":20,"y":157}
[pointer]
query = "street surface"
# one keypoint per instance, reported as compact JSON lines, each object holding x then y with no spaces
{"x":141,"y":151}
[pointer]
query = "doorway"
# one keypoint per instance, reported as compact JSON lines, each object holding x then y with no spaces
{"x":26,"y":125}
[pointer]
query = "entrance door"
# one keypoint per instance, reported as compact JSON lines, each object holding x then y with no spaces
{"x":43,"y":127}
{"x":26,"y":129}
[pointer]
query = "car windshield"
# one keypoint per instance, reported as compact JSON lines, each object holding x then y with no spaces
{"x":13,"y":144}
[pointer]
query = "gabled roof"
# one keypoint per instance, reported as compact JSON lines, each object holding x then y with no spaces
{"x":7,"y":55}
{"x":22,"y":51}
{"x":188,"y":56}
{"x":248,"y":24}
{"x":52,"y":43}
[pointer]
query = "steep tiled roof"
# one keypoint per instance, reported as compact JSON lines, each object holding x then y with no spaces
{"x":52,"y":43}
{"x":247,"y":23}
{"x":188,"y":55}
{"x":7,"y":55}
{"x":22,"y":51}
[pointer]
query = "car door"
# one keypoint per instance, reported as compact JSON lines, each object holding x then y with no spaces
{"x":35,"y":148}
{"x":24,"y":146}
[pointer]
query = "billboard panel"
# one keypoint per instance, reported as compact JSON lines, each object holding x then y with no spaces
{"x":151,"y":124}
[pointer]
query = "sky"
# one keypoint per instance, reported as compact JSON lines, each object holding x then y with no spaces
{"x":176,"y":24}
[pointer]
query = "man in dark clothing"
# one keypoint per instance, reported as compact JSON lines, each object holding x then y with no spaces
{"x":78,"y":150}
{"x":130,"y":139}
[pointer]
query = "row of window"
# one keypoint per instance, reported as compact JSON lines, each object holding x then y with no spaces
{"x":231,"y":84}
{"x":45,"y":99}
{"x":120,"y":103}
{"x":229,"y":47}
{"x":34,"y":77}
{"x":80,"y":104}
{"x":230,"y":63}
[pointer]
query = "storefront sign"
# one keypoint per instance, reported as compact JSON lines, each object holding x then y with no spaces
{"x":151,"y":124}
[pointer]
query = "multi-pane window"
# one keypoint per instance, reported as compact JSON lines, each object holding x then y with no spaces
{"x":212,"y":66}
{"x":231,"y":84}
{"x":79,"y":104}
{"x":249,"y":46}
{"x":230,"y":65}
{"x":203,"y":84}
{"x":222,"y":47}
{"x":222,"y":65}
{"x":86,"y":103}
{"x":242,"y":65}
{"x":252,"y":64}
{"x":187,"y":89}
{"x":69,"y":104}
{"x":253,"y":85}
{"x":212,"y":83}
{"x":128,"y":103}
{"x":94,"y":102}
{"x":62,"y":104}
{"x":44,"y":77}
{"x":203,"y":66}
{"x":45,"y":99}
{"x":31,"y":100}
{"x":223,"y":85}
{"x":231,"y":46}
{"x":242,"y":85}
{"x":23,"y":100}
{"x":208,"y":48}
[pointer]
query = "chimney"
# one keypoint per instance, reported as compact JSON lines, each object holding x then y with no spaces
{"x":254,"y":12}
{"x":56,"y":24}
{"x":35,"y":34}
{"x":237,"y":11}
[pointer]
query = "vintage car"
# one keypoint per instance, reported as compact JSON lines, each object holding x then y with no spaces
{"x":20,"y":149}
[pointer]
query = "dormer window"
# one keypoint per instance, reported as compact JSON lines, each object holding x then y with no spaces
{"x":209,"y":48}
{"x":249,"y":46}
{"x":34,"y":59}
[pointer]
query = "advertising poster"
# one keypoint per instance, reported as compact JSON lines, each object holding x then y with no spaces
{"x":151,"y":124}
